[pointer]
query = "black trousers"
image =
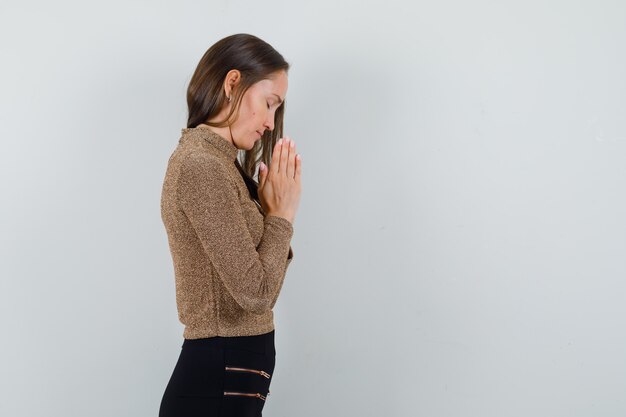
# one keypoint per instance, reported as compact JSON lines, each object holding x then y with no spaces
{"x":221,"y":377}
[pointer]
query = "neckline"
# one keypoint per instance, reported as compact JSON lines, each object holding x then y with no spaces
{"x":227,"y":148}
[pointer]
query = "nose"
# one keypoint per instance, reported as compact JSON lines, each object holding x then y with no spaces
{"x":269,"y":122}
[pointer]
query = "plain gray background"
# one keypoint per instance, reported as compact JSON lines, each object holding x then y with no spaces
{"x":460,"y":244}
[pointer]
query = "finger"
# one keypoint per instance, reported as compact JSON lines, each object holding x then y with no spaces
{"x":298,"y":167}
{"x":292,"y":159}
{"x":262,"y":174}
{"x":284,"y":155}
{"x":276,"y":156}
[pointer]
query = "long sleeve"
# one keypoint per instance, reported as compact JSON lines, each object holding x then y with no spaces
{"x":253,"y":275}
{"x":287,"y":262}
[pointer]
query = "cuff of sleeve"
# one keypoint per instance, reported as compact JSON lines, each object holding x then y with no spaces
{"x":280,"y":222}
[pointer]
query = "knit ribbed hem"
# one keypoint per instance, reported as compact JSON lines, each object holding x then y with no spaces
{"x":200,"y":333}
{"x":280,"y":220}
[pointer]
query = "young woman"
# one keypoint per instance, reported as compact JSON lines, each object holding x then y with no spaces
{"x":229,"y":236}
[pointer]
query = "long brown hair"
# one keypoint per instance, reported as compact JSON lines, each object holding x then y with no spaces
{"x":256,"y":60}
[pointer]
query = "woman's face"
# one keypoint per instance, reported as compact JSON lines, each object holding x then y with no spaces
{"x":258,"y":106}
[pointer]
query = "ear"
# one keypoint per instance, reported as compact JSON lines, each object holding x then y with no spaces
{"x":232,"y":79}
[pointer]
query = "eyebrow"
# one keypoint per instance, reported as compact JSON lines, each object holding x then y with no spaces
{"x":281,"y":100}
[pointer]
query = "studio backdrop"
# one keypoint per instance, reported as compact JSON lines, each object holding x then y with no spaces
{"x":460,"y":244}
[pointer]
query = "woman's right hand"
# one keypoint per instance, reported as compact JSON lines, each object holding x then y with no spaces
{"x":279,"y":186}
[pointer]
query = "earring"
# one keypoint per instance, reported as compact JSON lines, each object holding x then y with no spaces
{"x":229,"y":99}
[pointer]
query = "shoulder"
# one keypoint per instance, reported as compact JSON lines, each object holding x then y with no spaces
{"x":199,"y":162}
{"x":205,"y":169}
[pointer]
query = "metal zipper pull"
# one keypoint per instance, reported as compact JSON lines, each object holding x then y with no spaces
{"x":247,"y":394}
{"x":256,"y":371}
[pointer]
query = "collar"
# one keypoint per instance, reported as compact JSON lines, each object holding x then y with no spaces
{"x":226,"y":148}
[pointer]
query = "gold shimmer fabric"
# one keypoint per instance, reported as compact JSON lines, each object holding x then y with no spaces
{"x":229,"y":259}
